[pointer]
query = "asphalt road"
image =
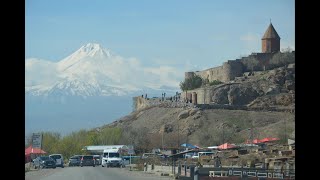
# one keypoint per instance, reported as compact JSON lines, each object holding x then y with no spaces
{"x":90,"y":173}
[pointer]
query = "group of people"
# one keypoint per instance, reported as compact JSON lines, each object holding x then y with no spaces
{"x":174,"y":98}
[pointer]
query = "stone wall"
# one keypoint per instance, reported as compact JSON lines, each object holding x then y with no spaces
{"x":216,"y":73}
{"x":204,"y":94}
{"x":232,"y":69}
{"x":227,"y":72}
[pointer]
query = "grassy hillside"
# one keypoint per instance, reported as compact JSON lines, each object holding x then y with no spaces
{"x":207,"y":127}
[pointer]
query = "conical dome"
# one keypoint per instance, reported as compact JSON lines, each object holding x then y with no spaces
{"x":271,"y":33}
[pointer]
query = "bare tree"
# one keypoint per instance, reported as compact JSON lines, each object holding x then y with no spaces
{"x":252,"y":63}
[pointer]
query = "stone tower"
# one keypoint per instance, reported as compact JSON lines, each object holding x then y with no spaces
{"x":270,"y":40}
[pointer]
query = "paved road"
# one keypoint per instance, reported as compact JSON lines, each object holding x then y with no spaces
{"x":90,"y":173}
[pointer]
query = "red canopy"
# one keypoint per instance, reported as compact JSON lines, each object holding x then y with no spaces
{"x":31,"y":150}
{"x":255,"y":141}
{"x":269,"y":139}
{"x":227,"y":146}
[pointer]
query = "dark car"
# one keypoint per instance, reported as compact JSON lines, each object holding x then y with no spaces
{"x":44,"y":162}
{"x":87,"y":160}
{"x":97,"y":159}
{"x":75,"y":160}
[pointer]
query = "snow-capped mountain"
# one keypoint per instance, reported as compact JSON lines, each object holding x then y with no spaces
{"x":91,"y":71}
{"x":89,"y":88}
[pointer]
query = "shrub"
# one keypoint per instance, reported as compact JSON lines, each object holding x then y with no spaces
{"x":215,"y":82}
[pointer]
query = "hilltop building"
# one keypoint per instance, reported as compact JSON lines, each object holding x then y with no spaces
{"x":234,"y":68}
{"x":270,"y":40}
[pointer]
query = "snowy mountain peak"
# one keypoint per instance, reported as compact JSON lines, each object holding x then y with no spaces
{"x":93,"y":49}
{"x":87,"y":53}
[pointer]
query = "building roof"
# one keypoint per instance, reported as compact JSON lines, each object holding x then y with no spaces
{"x":271,"y":33}
{"x":101,"y":148}
{"x":31,"y":150}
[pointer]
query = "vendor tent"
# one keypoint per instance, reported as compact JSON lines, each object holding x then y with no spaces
{"x":269,"y":139}
{"x":31,"y":150}
{"x":189,"y":146}
{"x":34,"y":151}
{"x":255,"y":141}
{"x":227,"y":146}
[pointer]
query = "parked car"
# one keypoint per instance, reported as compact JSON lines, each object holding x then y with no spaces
{"x":162,"y":155}
{"x":97,"y":159}
{"x":44,"y":162}
{"x":75,"y":160}
{"x":87,"y":160}
{"x":148,"y":155}
{"x":58,"y":158}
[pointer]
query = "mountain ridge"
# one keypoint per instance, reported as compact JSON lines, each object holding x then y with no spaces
{"x":89,"y":71}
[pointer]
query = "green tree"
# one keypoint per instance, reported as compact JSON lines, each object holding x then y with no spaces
{"x":215,"y":82}
{"x":139,"y":138}
{"x":108,"y":136}
{"x":191,"y":83}
{"x":50,"y":142}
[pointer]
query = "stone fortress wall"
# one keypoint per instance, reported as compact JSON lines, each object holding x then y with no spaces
{"x":231,"y":69}
{"x":226,"y":73}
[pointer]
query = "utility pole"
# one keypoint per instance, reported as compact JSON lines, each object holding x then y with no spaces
{"x":204,"y":95}
{"x":222,"y":134}
{"x":162,"y":139}
{"x":251,"y":136}
{"x":178,"y":137}
{"x":285,"y":130}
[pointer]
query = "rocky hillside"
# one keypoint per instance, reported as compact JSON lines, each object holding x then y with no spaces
{"x":169,"y":126}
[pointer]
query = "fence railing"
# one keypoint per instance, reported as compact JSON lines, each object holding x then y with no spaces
{"x":185,"y":170}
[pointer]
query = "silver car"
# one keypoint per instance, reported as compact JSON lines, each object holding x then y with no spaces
{"x":58,"y":158}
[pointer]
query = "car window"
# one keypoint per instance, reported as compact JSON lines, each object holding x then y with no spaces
{"x":113,"y":154}
{"x":44,"y":158}
{"x":87,"y":157}
{"x":55,"y":156}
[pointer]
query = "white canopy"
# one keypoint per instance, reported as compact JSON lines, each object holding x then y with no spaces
{"x":99,"y":149}
{"x":213,"y":147}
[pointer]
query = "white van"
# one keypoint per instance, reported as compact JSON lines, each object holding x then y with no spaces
{"x":58,"y":158}
{"x":199,"y":154}
{"x":111,"y":158}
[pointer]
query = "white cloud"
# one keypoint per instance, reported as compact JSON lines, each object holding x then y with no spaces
{"x":39,"y":71}
{"x":117,"y":71}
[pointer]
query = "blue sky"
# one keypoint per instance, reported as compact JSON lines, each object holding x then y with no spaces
{"x":202,"y":33}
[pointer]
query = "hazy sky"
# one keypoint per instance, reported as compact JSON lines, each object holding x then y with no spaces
{"x":201,"y":33}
